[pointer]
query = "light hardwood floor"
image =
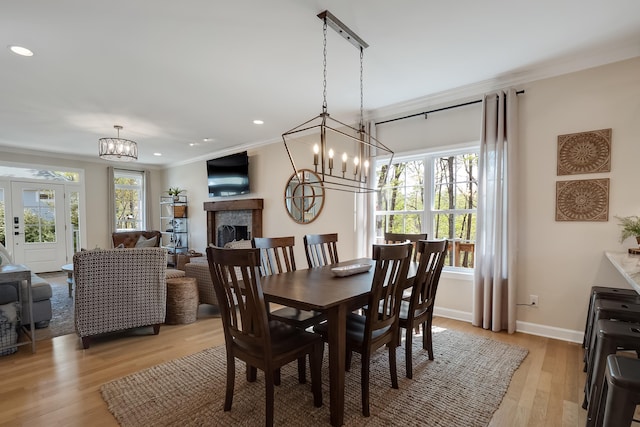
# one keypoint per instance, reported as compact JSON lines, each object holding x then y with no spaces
{"x":59,"y":384}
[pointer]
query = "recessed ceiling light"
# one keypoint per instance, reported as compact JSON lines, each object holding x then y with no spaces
{"x":157,"y":154}
{"x":19,"y":50}
{"x":207,"y":139}
{"x":258,"y":122}
{"x":193,"y":144}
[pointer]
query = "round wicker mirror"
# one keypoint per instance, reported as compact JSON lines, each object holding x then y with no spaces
{"x":304,"y":196}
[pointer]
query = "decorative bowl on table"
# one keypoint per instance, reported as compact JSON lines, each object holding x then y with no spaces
{"x":348,"y":270}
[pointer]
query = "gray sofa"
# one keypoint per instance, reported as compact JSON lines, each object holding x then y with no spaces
{"x":41,"y":294}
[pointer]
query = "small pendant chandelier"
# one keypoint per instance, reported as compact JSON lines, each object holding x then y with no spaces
{"x":354,"y":170}
{"x":118,"y":149}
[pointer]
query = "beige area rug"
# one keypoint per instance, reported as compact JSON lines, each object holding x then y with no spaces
{"x":463,"y":386}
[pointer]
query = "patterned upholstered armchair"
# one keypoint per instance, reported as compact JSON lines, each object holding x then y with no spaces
{"x":118,"y":289}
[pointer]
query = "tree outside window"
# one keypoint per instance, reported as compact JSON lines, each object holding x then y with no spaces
{"x":444,"y":207}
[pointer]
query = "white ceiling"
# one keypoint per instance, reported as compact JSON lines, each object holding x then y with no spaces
{"x":175,"y":72}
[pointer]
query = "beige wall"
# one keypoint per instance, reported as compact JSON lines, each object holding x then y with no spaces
{"x":560,"y":261}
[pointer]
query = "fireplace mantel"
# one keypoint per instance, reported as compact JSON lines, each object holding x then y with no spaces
{"x":253,"y":205}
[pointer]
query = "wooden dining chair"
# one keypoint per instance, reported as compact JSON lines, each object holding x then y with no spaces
{"x":418,"y":309}
{"x":249,"y":335}
{"x":276,"y":256}
{"x":404,"y":237}
{"x":366,"y":333}
{"x":321,"y":249}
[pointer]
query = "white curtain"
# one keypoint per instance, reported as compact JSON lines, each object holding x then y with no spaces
{"x":365,"y":208}
{"x":494,"y":289}
{"x":147,"y":200}
{"x":111,"y":194}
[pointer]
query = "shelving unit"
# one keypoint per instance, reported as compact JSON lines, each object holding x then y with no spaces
{"x":174,"y":226}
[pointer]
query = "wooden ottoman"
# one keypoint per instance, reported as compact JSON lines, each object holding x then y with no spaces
{"x":182,"y":300}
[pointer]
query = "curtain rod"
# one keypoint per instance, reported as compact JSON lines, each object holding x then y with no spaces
{"x":424,"y":113}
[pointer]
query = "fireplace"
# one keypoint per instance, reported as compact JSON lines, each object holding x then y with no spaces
{"x":231,"y":220}
{"x":230,"y":233}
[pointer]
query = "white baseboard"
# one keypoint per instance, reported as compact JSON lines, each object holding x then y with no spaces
{"x":524,"y":327}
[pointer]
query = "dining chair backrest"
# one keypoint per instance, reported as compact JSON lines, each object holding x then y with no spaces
{"x":405,"y":237}
{"x":390,"y":274}
{"x":321,"y":249}
{"x":276,"y":254}
{"x":425,"y":284}
{"x":236,"y":280}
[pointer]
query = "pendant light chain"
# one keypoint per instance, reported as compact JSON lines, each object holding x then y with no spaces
{"x":361,"y":90}
{"x":324,"y":65}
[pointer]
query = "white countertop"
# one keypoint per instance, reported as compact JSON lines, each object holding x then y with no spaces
{"x":628,"y":265}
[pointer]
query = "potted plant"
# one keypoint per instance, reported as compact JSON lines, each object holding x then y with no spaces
{"x":175,"y":193}
{"x":630,"y":227}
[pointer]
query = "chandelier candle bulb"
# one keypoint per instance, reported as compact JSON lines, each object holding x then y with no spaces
{"x":330,"y":160}
{"x":366,"y":169}
{"x":316,"y":150}
{"x":344,"y":163}
{"x":355,"y":164}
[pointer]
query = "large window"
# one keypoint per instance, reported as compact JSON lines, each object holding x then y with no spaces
{"x":129,"y":200}
{"x":435,"y":194}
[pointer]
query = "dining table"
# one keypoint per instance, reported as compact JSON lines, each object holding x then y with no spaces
{"x":320,"y":289}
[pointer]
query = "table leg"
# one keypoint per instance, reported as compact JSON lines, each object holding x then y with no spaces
{"x":70,"y":282}
{"x":337,"y":317}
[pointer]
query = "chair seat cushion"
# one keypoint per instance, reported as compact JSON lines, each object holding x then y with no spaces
{"x":296,"y":317}
{"x":404,"y":311}
{"x":284,"y":338}
{"x":355,"y":328}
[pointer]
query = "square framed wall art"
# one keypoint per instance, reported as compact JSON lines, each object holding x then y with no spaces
{"x":584,"y":152}
{"x":582,"y":200}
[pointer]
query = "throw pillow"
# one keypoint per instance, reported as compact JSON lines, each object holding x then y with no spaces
{"x":146,"y":243}
{"x":121,"y":245}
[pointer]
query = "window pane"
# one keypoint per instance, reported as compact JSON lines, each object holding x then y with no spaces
{"x":129,"y":195}
{"x":39,"y":216}
{"x":74,"y":203}
{"x":415,"y":198}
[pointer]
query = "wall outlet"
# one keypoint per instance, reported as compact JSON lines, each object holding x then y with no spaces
{"x":533,"y":300}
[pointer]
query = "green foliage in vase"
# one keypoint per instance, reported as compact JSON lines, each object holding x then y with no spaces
{"x":175,"y":191}
{"x":630,"y":226}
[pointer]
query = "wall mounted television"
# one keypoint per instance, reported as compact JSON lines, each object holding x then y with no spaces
{"x":228,"y":175}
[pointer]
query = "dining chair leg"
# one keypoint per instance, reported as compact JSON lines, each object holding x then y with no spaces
{"x":276,"y":377}
{"x":393,"y":366}
{"x":408,"y":346}
{"x":427,"y":341}
{"x":231,"y":379}
{"x":315,"y":364}
{"x":252,"y":374}
{"x":364,"y":382}
{"x":302,"y":369}
{"x":348,"y":354}
{"x":269,"y":398}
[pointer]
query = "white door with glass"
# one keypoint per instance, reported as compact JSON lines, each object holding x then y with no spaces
{"x":38,"y":225}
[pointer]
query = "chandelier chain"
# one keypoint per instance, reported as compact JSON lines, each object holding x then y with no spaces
{"x":324,"y":65}
{"x":361,"y":90}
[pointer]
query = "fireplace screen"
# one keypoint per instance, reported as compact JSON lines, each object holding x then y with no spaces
{"x":229,"y":233}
